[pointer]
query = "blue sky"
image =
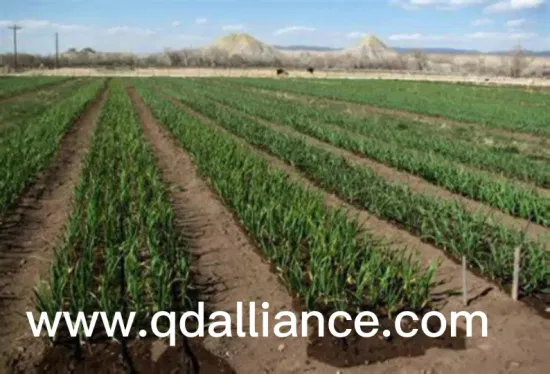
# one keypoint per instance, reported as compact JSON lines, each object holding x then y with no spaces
{"x":151,"y":26}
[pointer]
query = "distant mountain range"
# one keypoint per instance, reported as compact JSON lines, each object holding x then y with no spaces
{"x":453,"y":51}
{"x":450,"y":51}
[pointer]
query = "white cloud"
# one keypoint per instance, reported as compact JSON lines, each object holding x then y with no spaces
{"x":234,"y":27}
{"x":484,"y":35}
{"x":129,"y":30}
{"x":523,"y":35}
{"x":502,"y":35}
{"x":513,"y":5}
{"x":293,"y":29}
{"x":418,"y":36}
{"x":406,"y":37}
{"x":515,"y":23}
{"x":411,"y":4}
{"x":201,"y":21}
{"x":495,"y":6}
{"x":355,"y":34}
{"x":482,"y":22}
{"x":176,"y":24}
{"x":466,"y":2}
{"x":402,"y":4}
{"x":426,"y":2}
{"x":190,"y":37}
{"x":67,"y":27}
{"x":438,"y":4}
{"x":34,"y":24}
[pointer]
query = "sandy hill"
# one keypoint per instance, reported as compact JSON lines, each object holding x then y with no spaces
{"x":237,"y":49}
{"x":372,"y":48}
{"x":244,"y":46}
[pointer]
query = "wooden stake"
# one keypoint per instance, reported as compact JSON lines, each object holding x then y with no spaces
{"x":464,"y":283}
{"x":515,"y":285}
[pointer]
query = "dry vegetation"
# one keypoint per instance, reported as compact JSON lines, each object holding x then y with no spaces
{"x":242,"y":51}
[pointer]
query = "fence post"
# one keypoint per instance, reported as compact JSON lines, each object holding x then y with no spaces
{"x":515,"y":284}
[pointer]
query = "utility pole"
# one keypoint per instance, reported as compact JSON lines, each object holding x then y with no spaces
{"x":57,"y":50}
{"x":15,"y":28}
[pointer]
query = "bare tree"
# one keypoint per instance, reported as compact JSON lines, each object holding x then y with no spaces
{"x":519,"y":61}
{"x":421,"y":60}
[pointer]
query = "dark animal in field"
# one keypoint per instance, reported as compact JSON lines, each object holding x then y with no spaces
{"x":282,"y":73}
{"x":310,"y":70}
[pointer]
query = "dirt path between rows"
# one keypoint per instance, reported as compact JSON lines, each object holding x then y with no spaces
{"x":417,"y":184}
{"x":361,"y":108}
{"x":514,"y":342}
{"x":28,"y":236}
{"x":227,"y":262}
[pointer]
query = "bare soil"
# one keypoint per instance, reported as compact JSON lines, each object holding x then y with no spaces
{"x":139,"y":356}
{"x":354,"y":350}
{"x":417,"y":184}
{"x":514,"y":342}
{"x":28,"y":236}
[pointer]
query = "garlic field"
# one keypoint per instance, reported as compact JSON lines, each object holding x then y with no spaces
{"x":155,"y":194}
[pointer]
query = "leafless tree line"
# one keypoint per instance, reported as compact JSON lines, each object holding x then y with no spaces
{"x":516,"y":64}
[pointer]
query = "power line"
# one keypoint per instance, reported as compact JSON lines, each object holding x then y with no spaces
{"x":57,"y":50}
{"x":15,"y":28}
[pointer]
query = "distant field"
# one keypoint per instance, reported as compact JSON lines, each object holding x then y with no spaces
{"x":271,"y":73}
{"x":501,"y":107}
{"x":11,"y":85}
{"x":146,"y":194}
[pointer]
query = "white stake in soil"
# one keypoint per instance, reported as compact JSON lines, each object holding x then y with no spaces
{"x":515,"y":285}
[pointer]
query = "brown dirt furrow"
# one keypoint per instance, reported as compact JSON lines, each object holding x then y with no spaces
{"x":514,"y":341}
{"x":35,"y":90}
{"x":417,"y":184}
{"x":28,"y":235}
{"x":360,"y":108}
{"x":227,"y":262}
